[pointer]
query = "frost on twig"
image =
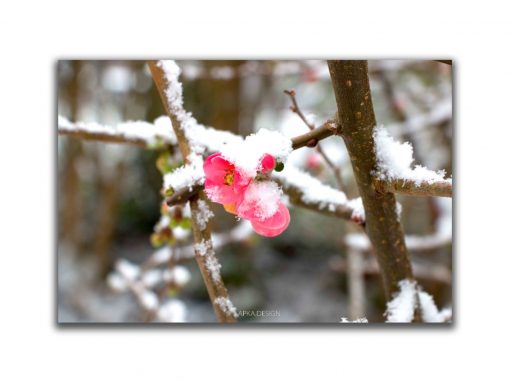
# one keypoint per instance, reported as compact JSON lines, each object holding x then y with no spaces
{"x":396,"y":174}
{"x":226,"y":306}
{"x":139,"y":133}
{"x":185,"y":177}
{"x":306,"y":191}
{"x":411,"y":298}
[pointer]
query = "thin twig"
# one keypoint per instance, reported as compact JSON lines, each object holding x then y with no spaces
{"x":296,"y":109}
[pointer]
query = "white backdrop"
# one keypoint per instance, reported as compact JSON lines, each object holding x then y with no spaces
{"x":35,"y":35}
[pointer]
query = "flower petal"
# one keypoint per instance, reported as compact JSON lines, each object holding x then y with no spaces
{"x":274,"y":225}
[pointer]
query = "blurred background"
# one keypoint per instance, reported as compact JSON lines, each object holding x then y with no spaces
{"x":319,"y":270}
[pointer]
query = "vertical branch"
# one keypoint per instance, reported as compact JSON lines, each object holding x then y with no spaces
{"x":356,"y":282}
{"x":356,"y":115}
{"x":204,"y":252}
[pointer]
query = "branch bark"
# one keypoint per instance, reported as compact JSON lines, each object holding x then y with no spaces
{"x":202,"y":234}
{"x":356,"y":115}
{"x":406,"y":187}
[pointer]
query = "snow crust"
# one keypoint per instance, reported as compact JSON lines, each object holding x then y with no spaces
{"x":394,"y":161}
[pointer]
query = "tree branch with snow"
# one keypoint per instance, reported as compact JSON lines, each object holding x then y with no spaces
{"x":165,"y":75}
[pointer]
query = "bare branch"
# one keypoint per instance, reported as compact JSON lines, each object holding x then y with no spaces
{"x":409,"y":187}
{"x":447,"y":62}
{"x":334,"y":168}
{"x":356,"y":115}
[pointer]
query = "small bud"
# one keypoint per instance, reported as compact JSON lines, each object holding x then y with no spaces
{"x":279,"y":167}
{"x":312,"y":142}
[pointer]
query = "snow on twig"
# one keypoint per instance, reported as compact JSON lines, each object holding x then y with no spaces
{"x":313,"y":192}
{"x":410,"y":298}
{"x":394,"y":160}
{"x":136,"y":132}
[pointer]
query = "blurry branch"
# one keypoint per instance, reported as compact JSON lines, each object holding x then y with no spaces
{"x":102,"y":137}
{"x":138,"y":133}
{"x":415,"y":244}
{"x":163,"y":255}
{"x":296,"y":109}
{"x":408,"y":187}
{"x":369,"y":267}
{"x":205,"y":256}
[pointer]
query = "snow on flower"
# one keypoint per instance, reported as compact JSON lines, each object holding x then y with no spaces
{"x":251,"y":197}
{"x":224,"y":184}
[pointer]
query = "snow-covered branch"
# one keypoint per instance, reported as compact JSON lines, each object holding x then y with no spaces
{"x":411,"y":299}
{"x":395,"y":172}
{"x":137,"y":133}
{"x":165,"y":75}
{"x":306,"y":191}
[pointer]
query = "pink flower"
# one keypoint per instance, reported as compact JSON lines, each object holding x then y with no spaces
{"x":267,"y":163}
{"x":223,"y":183}
{"x":257,"y":201}
{"x":274,"y":225}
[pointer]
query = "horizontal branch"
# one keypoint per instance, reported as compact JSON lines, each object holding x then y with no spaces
{"x":118,"y":134}
{"x":409,"y":187}
{"x":138,"y":133}
{"x":296,"y":197}
{"x":103,"y":137}
{"x":311,"y":138}
{"x":431,"y":272}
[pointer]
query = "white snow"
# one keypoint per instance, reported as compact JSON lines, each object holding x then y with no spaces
{"x":213,"y":266}
{"x":345,"y":320}
{"x":394,"y":161}
{"x":203,"y":214}
{"x":180,"y":233}
{"x":246,"y":154}
{"x":148,"y":300}
{"x":117,"y":282}
{"x":358,"y":211}
{"x":173,"y":89}
{"x":130,"y":130}
{"x":261,"y":198}
{"x":162,"y":255}
{"x":203,"y":247}
{"x":172,"y":310}
{"x":402,"y":306}
{"x":226,"y":306}
{"x":185,"y":177}
{"x":152,"y":277}
{"x":314,"y":191}
{"x":127,"y":269}
{"x":177,"y":275}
